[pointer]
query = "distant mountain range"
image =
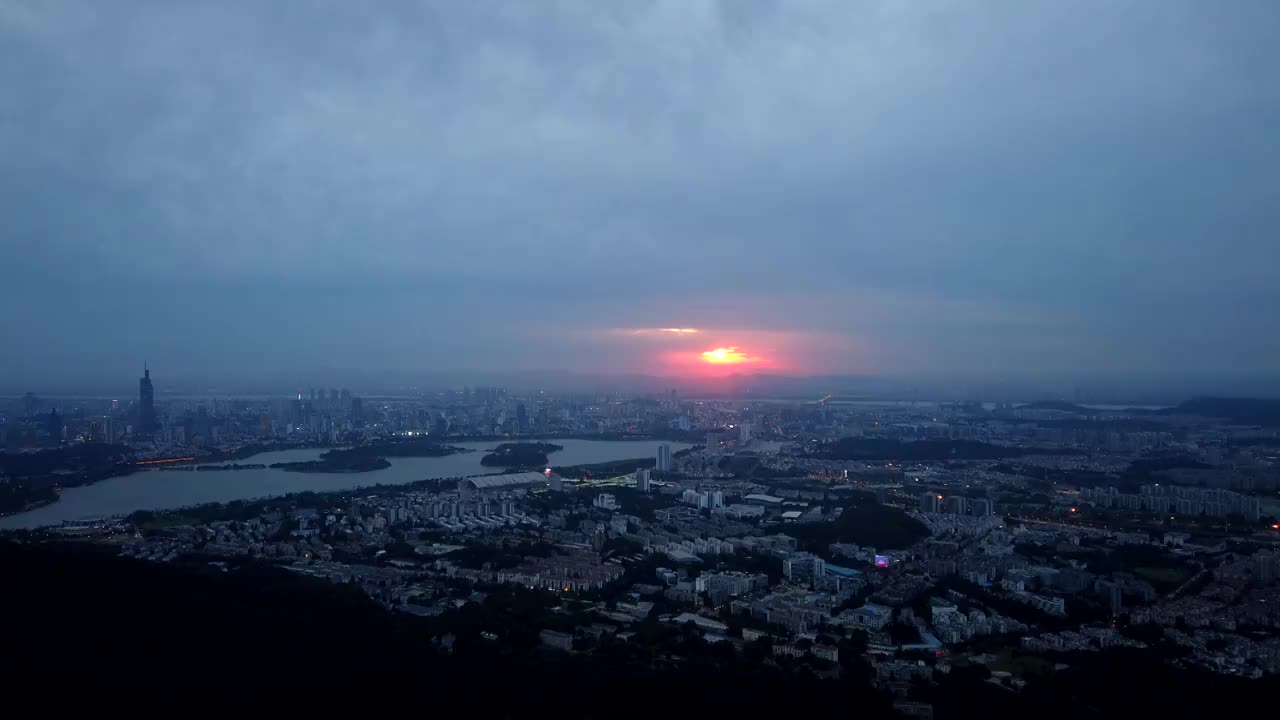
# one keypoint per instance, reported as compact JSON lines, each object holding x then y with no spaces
{"x":1242,"y":411}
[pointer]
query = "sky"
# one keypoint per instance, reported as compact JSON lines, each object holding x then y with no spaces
{"x":867,"y":187}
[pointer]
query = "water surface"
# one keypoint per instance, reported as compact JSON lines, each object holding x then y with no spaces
{"x":166,"y":489}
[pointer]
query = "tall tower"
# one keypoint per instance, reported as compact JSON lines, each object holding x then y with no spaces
{"x":55,"y":427}
{"x":663,"y":463}
{"x":146,"y":403}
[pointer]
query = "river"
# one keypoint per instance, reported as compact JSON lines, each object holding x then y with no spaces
{"x":167,"y":489}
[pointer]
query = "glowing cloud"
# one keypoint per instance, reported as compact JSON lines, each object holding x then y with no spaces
{"x":658,"y":332}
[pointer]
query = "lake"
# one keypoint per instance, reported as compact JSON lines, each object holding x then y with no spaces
{"x":167,"y":489}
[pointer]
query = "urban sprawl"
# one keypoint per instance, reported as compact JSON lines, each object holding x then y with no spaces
{"x":908,"y":538}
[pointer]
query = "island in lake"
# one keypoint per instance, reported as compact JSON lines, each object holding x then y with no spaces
{"x":411,"y":448}
{"x":367,"y":458}
{"x":524,"y":454}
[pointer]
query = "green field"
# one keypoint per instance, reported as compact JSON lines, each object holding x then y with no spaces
{"x":864,"y":523}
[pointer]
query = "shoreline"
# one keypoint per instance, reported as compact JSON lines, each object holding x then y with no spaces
{"x":193,"y":466}
{"x":124,"y":469}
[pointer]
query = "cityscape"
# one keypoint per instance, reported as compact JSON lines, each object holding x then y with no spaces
{"x":643,"y":358}
{"x":902,"y":541}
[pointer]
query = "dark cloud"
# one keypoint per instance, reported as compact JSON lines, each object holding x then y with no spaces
{"x":944,"y":186}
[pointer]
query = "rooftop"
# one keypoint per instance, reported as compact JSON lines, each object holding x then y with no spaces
{"x":493,"y":482}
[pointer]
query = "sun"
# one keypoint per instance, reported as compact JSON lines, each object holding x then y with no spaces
{"x":725,"y":356}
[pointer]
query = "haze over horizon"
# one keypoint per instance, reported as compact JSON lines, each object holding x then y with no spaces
{"x":1013,"y":192}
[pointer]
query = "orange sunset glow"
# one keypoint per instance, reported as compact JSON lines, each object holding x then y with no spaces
{"x":726,"y":356}
{"x":718,"y":361}
{"x":693,"y":350}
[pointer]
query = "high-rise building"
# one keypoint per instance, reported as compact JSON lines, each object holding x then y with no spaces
{"x":664,"y":458}
{"x":55,"y":427}
{"x":146,"y":403}
{"x":204,"y":425}
{"x":803,"y":567}
{"x":1266,"y":566}
{"x":956,"y":504}
{"x":1112,"y":593}
{"x":744,"y":433}
{"x":643,"y":479}
{"x":357,"y":410}
{"x":980,"y":507}
{"x":522,"y":418}
{"x":929,"y":502}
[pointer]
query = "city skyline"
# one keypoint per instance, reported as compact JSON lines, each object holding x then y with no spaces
{"x":1133,"y":388}
{"x":839,"y":188}
{"x":902,"y":358}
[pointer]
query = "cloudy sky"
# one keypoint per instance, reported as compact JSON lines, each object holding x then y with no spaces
{"x":868,"y":186}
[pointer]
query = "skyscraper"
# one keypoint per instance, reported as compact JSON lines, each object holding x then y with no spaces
{"x":713,"y":443}
{"x":929,"y":503}
{"x":146,"y":403}
{"x":55,"y":427}
{"x":664,"y":458}
{"x":642,"y":479}
{"x":204,"y":425}
{"x":296,"y":414}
